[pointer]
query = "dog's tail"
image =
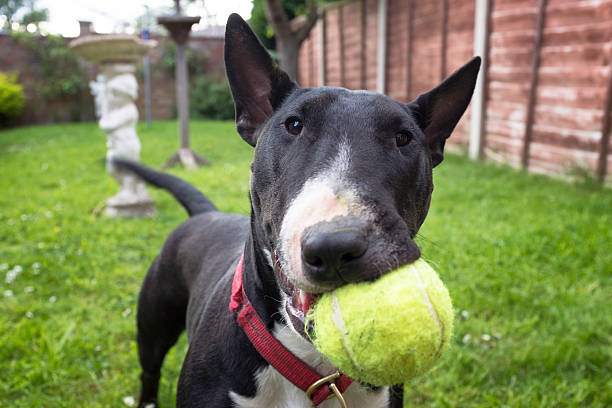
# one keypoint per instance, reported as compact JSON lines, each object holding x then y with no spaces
{"x":191,"y":198}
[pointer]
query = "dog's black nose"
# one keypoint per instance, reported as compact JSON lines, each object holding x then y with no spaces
{"x":332,"y":252}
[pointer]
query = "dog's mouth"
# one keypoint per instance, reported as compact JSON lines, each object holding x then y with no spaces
{"x":298,"y":305}
{"x":297,"y":314}
{"x":297,"y":302}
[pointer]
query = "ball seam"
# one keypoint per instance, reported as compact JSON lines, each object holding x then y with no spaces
{"x":432,"y":310}
{"x":341,"y":325}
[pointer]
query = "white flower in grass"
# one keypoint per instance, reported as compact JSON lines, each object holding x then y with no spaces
{"x":8,"y":293}
{"x":40,"y":245}
{"x":98,"y":348}
{"x":126,"y":312}
{"x":36,"y":265}
{"x":48,"y":214}
{"x":465,"y":314}
{"x":466,"y":339}
{"x":4,"y":267}
{"x":129,"y":401}
{"x":52,"y":299}
{"x":11,"y":275}
{"x":485,"y":337}
{"x":29,"y":315}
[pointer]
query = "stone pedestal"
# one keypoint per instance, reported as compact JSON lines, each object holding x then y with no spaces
{"x":115,"y":91}
{"x":179,"y":27}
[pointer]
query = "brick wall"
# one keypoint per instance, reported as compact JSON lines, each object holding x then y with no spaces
{"x":16,"y":58}
{"x":428,"y":40}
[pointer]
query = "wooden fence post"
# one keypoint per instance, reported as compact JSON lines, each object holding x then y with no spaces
{"x":311,"y":62}
{"x":533,"y":90}
{"x":322,"y":50}
{"x":604,"y":149}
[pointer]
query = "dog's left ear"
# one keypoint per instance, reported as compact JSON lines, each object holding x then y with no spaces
{"x":438,"y":110}
{"x":258,"y":85}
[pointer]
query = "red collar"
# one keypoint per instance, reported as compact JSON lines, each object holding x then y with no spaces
{"x":284,"y":361}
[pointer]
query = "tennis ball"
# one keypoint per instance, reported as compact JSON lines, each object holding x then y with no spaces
{"x":387,"y":331}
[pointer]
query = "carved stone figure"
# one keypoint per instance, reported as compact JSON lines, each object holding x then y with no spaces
{"x":97,"y":90}
{"x":115,"y":91}
{"x":118,"y":119}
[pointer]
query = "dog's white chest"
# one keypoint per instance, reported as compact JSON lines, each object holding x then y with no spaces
{"x":275,"y":391}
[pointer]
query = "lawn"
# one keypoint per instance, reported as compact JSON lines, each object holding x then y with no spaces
{"x":527,"y":259}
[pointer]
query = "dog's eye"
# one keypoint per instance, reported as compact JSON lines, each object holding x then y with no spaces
{"x":294,"y":125}
{"x":402,"y":138}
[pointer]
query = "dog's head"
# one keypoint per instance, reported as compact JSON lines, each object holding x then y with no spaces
{"x":341,"y":180}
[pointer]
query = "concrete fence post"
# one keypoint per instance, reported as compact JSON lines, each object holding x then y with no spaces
{"x":481,"y":45}
{"x":410,"y":45}
{"x":444,"y":39}
{"x":381,"y":57}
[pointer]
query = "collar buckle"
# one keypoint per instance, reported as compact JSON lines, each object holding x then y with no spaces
{"x":330,"y":381}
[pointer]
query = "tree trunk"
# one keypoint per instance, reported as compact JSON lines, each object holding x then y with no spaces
{"x":288,"y":52}
{"x":288,"y":38}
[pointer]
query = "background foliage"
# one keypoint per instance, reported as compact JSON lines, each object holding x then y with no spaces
{"x":12,"y":100}
{"x":167,"y":59}
{"x":209,"y":96}
{"x":27,"y":10}
{"x":61,"y":74}
{"x":259,"y":23}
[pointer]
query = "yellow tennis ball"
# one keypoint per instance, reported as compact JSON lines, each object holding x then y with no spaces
{"x":387,"y":331}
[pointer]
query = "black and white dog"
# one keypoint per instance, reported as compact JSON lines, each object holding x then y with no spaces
{"x":341,"y":182}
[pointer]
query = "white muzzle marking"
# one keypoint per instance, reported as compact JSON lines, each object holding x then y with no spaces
{"x":323,"y":197}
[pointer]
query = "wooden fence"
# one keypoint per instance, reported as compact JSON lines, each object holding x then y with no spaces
{"x":545,"y":97}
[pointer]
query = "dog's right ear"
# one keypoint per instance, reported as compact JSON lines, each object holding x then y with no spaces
{"x":258,"y":85}
{"x":438,"y":110}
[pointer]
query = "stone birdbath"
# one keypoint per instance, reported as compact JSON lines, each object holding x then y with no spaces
{"x":115,"y":91}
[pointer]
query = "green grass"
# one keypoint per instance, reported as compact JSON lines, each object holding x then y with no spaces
{"x":527,"y":259}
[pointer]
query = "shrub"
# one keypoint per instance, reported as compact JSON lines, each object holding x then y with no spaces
{"x":62,"y":76}
{"x":210,"y":99}
{"x":12,"y":100}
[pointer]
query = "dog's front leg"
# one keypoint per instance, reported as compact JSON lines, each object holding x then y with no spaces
{"x":396,"y":399}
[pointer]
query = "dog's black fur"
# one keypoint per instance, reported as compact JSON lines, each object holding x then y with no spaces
{"x":296,"y":132}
